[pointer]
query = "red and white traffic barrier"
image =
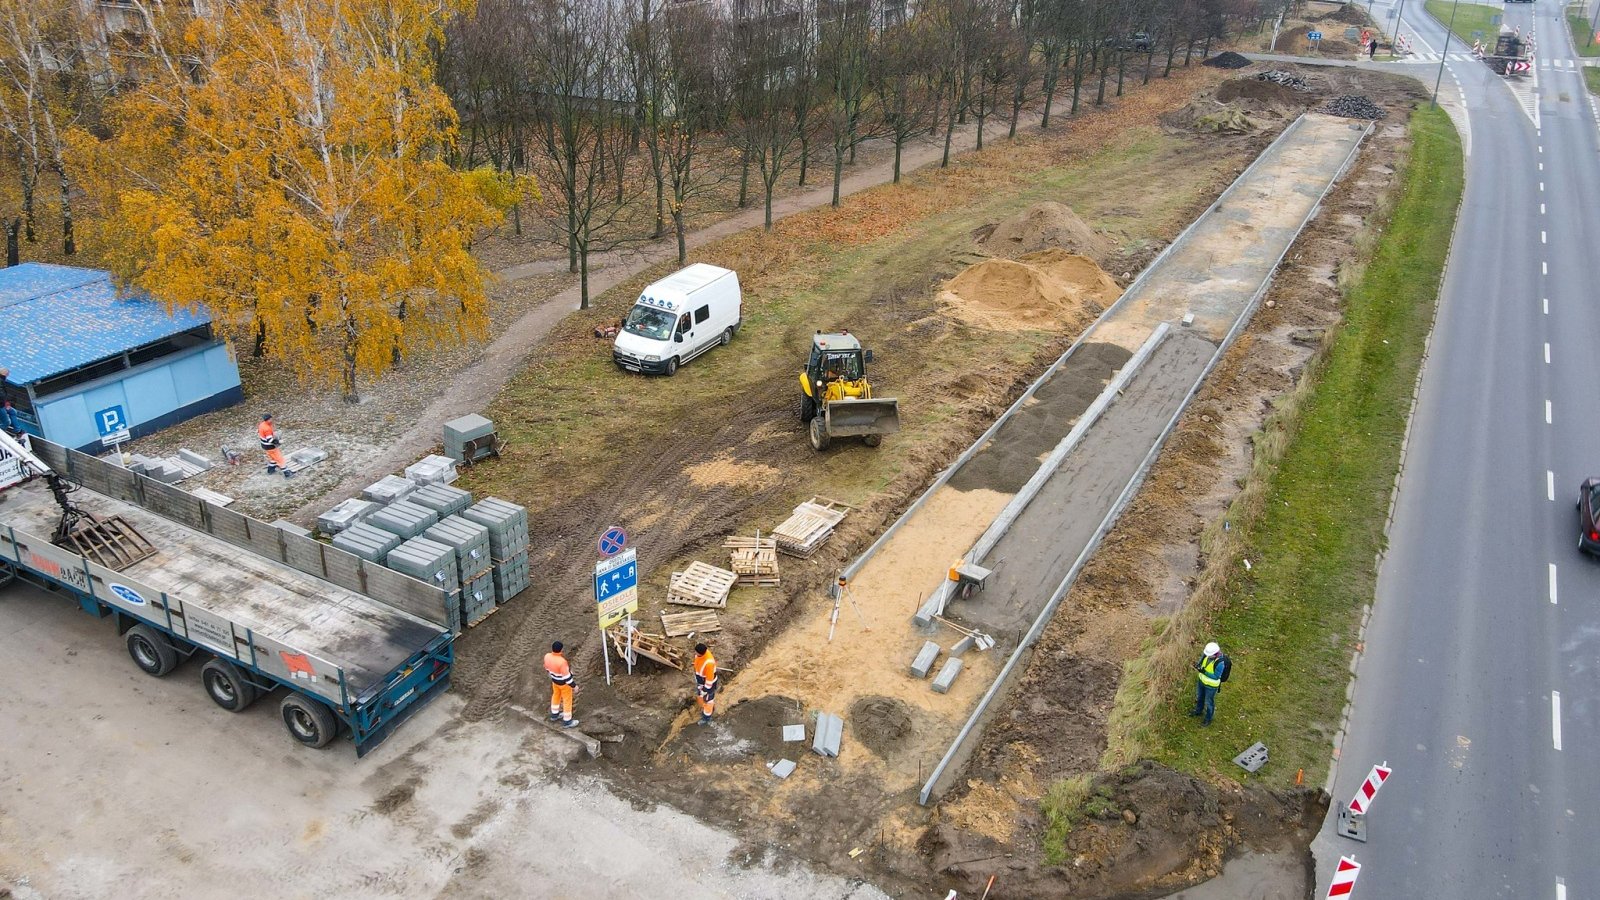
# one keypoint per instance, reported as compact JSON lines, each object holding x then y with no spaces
{"x":1369,"y":789}
{"x":1401,"y":45}
{"x":1344,"y":878}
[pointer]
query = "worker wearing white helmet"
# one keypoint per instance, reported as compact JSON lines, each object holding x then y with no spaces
{"x":1211,"y":671}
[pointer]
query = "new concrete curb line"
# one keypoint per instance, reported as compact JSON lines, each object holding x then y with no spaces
{"x":1133,"y":484}
{"x":1008,"y":516}
{"x":1388,"y":523}
{"x":944,"y":476}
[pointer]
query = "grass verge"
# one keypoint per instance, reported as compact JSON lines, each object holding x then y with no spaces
{"x":1310,"y":517}
{"x":1582,"y":34}
{"x":1469,"y":17}
{"x":1591,"y":78}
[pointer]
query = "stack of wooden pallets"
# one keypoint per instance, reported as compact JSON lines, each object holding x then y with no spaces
{"x":694,"y":621}
{"x":700,"y":585}
{"x":753,"y":560}
{"x":810,"y":526}
{"x":650,"y":646}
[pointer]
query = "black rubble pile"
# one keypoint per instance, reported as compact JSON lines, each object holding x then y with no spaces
{"x":1287,"y":79}
{"x":1353,"y":106}
{"x":1227,"y":60}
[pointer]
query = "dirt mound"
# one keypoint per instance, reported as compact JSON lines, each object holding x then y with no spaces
{"x":1295,"y":40}
{"x":1052,"y":289}
{"x":1043,"y":226}
{"x":1350,"y":14}
{"x":1212,"y":116}
{"x":881,"y":724}
{"x":1256,"y":91}
{"x":1227,"y":60}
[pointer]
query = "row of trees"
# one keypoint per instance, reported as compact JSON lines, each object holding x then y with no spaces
{"x":631,"y":112}
{"x":313,"y":172}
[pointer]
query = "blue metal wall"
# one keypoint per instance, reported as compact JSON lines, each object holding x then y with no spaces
{"x":154,"y":395}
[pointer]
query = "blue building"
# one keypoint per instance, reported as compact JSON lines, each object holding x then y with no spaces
{"x":76,"y":348}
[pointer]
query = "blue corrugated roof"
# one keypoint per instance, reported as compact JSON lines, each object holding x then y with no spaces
{"x":57,"y":318}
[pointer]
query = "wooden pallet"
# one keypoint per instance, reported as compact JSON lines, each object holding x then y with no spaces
{"x":739,"y":542}
{"x":695,"y":621}
{"x":701,"y":584}
{"x":809,"y":527}
{"x":650,"y":646}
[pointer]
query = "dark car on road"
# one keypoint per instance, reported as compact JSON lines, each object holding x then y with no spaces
{"x":1589,"y":516}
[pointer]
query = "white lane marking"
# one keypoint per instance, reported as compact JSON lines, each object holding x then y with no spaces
{"x":1547,"y":306}
{"x":1544,"y":267}
{"x":1544,"y":238}
{"x":1541,"y":148}
{"x":1547,"y":353}
{"x":1555,"y":718}
{"x":1561,"y":889}
{"x":1550,"y":485}
{"x":1541,"y":209}
{"x":1541,"y":167}
{"x":1552,"y":582}
{"x":1547,"y":412}
{"x":1541,"y":187}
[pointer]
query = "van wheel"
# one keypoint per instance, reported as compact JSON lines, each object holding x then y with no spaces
{"x":672,"y":367}
{"x":150,"y":651}
{"x":727,"y":337}
{"x":308,"y":721}
{"x":227,"y":686}
{"x":819,"y":434}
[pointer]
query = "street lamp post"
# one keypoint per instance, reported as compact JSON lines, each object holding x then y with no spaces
{"x":1448,"y":31}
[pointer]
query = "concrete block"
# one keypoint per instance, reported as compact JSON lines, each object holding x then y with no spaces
{"x":165,"y":472}
{"x":195,"y":459}
{"x":924,"y":661}
{"x":308,"y":456}
{"x":783,"y":768}
{"x":794,"y":732}
{"x":963,"y":645}
{"x":140,"y":463}
{"x":290,"y":527}
{"x":346,"y":514}
{"x":835,"y":734}
{"x":947,"y":675}
{"x":388,"y":489}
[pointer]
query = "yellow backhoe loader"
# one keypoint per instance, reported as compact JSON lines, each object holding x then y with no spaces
{"x":836,"y":399}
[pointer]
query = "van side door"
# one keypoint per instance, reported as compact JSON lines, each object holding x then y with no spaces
{"x":700,"y":327}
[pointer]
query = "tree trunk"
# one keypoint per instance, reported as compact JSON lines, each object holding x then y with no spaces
{"x":1172,"y":50}
{"x":838,"y":172}
{"x":69,"y":243}
{"x":768,"y":184}
{"x":661,"y":207}
{"x":1122,"y":67}
{"x":677,"y":225}
{"x":1205,"y":50}
{"x":394,"y":351}
{"x":1149,"y":59}
{"x":949,"y":132}
{"x":899,"y":142}
{"x":1188,"y":51}
{"x":351,"y":338}
{"x":14,"y":252}
{"x":744,"y":179}
{"x":258,"y":347}
{"x":1077,"y":81}
{"x":29,"y":183}
{"x":583,"y":277}
{"x":805,"y":157}
{"x":1052,"y":75}
{"x":1105,"y":70}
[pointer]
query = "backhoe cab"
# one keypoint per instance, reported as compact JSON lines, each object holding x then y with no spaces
{"x":836,"y":397}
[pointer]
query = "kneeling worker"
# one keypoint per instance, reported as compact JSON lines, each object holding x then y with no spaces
{"x":561,"y":685}
{"x":705,"y":682}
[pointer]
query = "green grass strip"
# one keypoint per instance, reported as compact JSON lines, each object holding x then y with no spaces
{"x":1290,"y":620}
{"x":1582,"y":33}
{"x":1591,"y":77}
{"x":1470,"y":17}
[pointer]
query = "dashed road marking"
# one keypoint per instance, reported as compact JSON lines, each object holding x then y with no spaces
{"x":1547,"y":353}
{"x":1552,"y":583}
{"x":1541,"y":209}
{"x":1550,"y":485}
{"x":1544,"y":238}
{"x":1547,"y":306}
{"x":1544,"y":268}
{"x":1541,"y":167}
{"x":1547,"y":412}
{"x":1541,"y":187}
{"x":1561,"y":889}
{"x":1555,"y":718}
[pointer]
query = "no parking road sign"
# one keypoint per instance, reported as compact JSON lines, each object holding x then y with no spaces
{"x":616,"y":587}
{"x":612,"y":542}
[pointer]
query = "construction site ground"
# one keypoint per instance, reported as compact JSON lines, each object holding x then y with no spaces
{"x":717,"y":450}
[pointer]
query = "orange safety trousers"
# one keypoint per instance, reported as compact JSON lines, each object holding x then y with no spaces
{"x":707,"y":701}
{"x":561,"y":700}
{"x":275,"y":456}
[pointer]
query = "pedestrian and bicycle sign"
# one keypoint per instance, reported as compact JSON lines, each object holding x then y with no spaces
{"x":1313,"y":36}
{"x":612,"y":542}
{"x":616,"y":587}
{"x":112,"y":423}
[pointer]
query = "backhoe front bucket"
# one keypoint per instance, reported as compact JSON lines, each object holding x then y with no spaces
{"x":858,"y":418}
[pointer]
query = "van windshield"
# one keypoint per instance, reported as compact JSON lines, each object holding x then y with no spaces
{"x":655,"y":324}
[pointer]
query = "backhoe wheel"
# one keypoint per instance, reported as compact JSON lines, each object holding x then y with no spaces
{"x":309,"y":722}
{"x":808,"y":408}
{"x":872,"y":440}
{"x":226,"y":686}
{"x":150,"y":651}
{"x":819,"y":434}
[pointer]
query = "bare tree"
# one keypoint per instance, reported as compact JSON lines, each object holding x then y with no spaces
{"x":767,"y":50}
{"x":574,"y":61}
{"x":904,"y":79}
{"x":694,"y":93}
{"x":844,"y":61}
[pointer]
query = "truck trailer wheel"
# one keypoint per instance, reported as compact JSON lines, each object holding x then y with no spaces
{"x":8,"y":573}
{"x":150,"y":651}
{"x":309,"y":722}
{"x":227,"y":686}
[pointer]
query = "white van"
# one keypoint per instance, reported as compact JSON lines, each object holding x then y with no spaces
{"x":678,"y":318}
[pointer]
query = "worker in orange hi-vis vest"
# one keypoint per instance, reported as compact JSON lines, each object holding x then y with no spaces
{"x":705,"y":682}
{"x":561,"y":685}
{"x":269,"y":446}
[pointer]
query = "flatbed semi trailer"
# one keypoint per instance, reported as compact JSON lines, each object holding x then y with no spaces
{"x":345,"y":662}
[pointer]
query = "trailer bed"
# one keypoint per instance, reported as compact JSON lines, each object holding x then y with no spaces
{"x":366,"y":639}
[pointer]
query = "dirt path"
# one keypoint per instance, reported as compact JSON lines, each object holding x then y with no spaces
{"x":472,"y":388}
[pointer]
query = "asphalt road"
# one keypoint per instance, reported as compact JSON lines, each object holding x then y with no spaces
{"x":1478,"y":680}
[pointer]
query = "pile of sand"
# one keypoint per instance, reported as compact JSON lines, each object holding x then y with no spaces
{"x":1043,"y":226}
{"x":1051,"y":289}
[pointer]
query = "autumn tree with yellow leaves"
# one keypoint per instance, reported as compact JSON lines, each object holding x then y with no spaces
{"x":283,"y":166}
